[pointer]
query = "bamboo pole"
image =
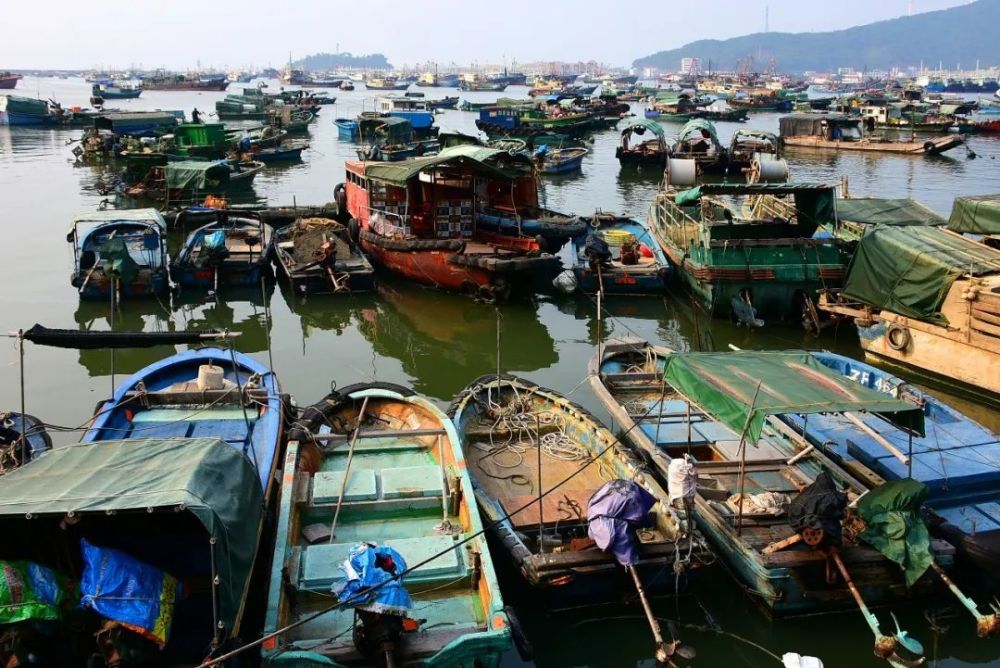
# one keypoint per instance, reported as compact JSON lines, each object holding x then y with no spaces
{"x":347,"y":469}
{"x":743,"y":458}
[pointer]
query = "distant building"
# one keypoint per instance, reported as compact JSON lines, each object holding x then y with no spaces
{"x":690,"y":66}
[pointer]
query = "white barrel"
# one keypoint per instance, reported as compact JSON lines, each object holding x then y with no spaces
{"x":681,"y":172}
{"x":769,"y":169}
{"x":210,"y":377}
{"x":682,"y":479}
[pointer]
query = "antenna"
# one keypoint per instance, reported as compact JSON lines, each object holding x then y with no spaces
{"x":909,"y":8}
{"x":767,"y":18}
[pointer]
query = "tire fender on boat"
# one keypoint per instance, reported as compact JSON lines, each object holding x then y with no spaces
{"x":928,"y":146}
{"x":897,"y":337}
{"x":521,"y":642}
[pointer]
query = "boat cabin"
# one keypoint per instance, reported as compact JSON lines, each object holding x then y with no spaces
{"x":414,"y":110}
{"x":829,"y":127}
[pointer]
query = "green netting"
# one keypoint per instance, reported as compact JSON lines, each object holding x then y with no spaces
{"x":910,"y":270}
{"x":196,"y":174}
{"x":723,"y":384}
{"x":877,"y":211}
{"x":893,"y":526}
{"x":977,"y":215}
{"x":203,"y":476}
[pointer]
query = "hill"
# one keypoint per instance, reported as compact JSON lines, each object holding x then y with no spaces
{"x":333,"y":61}
{"x":961,"y":34}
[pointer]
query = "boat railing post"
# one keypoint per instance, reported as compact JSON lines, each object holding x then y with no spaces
{"x":20,"y":352}
{"x":541,"y":520}
{"x":111,"y":321}
{"x":743,"y":459}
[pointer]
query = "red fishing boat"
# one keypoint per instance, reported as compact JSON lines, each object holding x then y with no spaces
{"x":417,"y":219}
{"x":8,"y":80}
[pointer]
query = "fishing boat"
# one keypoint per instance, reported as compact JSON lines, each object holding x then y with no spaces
{"x":279,"y":154}
{"x":157,"y":539}
{"x":954,"y":458}
{"x":762,"y":103}
{"x":749,"y":144}
{"x":167,"y":81}
{"x":746,"y":267}
{"x":242,"y":172}
{"x":22,"y":439}
{"x":8,"y":80}
{"x":837,"y":132}
{"x":111,"y":91}
{"x":443,"y":103}
{"x":347,"y":128}
{"x":346,"y":85}
{"x":262,"y":136}
{"x":698,"y":141}
{"x":521,"y":441}
{"x":386,"y":83}
{"x":235,"y":249}
{"x":119,"y":253}
{"x":416,"y":110}
{"x":977,"y":216}
{"x":560,"y":160}
{"x":926,"y":298}
{"x":376,"y":485}
{"x":420,"y":219}
{"x":17,"y":110}
{"x":703,"y":420}
{"x":619,"y":255}
{"x":317,"y":255}
{"x":653,"y":151}
{"x":481,"y":84}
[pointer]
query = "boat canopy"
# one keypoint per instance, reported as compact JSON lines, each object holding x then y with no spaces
{"x":196,"y":174}
{"x":641,"y":125}
{"x":136,"y":122}
{"x":909,"y":271}
{"x":814,"y":202}
{"x":149,"y":216}
{"x":107,"y":480}
{"x":697,"y":127}
{"x":479,"y":159}
{"x":976,"y":215}
{"x":878,"y":211}
{"x":791,"y":383}
{"x":813,"y":125}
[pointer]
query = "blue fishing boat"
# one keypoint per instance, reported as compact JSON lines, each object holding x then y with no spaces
{"x":552,"y":228}
{"x":375,"y":486}
{"x":111,"y":91}
{"x":520,"y":441}
{"x":22,"y":439}
{"x":559,"y":160}
{"x":956,"y":459}
{"x":235,"y":249}
{"x":618,"y":256}
{"x":347,"y":128}
{"x":703,"y":419}
{"x":123,"y":252}
{"x":279,"y":154}
{"x":317,"y":255}
{"x":201,"y":393}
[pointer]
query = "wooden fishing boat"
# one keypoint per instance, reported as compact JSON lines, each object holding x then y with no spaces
{"x":317,"y":255}
{"x":242,"y":172}
{"x":744,"y":267}
{"x":204,"y":392}
{"x":626,"y":260}
{"x":279,"y":154}
{"x":561,"y":160}
{"x":394,"y":152}
{"x":263,"y":136}
{"x":954,"y":458}
{"x":520,"y":441}
{"x":386,"y":83}
{"x":296,"y":122}
{"x":370,"y":467}
{"x":421,"y":219}
{"x":482,"y":84}
{"x":234,"y":250}
{"x":837,"y":132}
{"x":167,"y":81}
{"x":653,"y":151}
{"x":927,"y":299}
{"x":22,"y":439}
{"x":110,"y":91}
{"x":698,"y":141}
{"x":749,"y":144}
{"x":444,"y":103}
{"x":160,"y":538}
{"x":8,"y":80}
{"x":673,"y":407}
{"x":347,"y":128}
{"x":121,"y":252}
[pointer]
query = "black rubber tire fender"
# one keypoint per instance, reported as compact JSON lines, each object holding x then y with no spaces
{"x":897,"y":336}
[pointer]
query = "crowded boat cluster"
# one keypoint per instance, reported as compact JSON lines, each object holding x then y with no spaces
{"x":207,"y":518}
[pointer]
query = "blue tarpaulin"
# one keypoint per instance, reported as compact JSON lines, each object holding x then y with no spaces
{"x":614,"y":512}
{"x":369,"y":566}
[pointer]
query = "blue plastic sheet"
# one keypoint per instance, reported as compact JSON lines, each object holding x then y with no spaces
{"x":614,"y":513}
{"x":215,"y":240}
{"x":369,"y":566}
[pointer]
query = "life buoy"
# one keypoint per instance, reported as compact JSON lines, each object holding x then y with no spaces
{"x":897,"y":337}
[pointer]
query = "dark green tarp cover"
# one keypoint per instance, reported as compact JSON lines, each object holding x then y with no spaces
{"x":976,"y":215}
{"x":468,"y":156}
{"x":695,"y":126}
{"x":910,"y":270}
{"x":196,"y":174}
{"x":893,"y":526}
{"x":723,"y":384}
{"x":641,"y":125}
{"x":877,"y":211}
{"x":207,"y":477}
{"x":117,"y":261}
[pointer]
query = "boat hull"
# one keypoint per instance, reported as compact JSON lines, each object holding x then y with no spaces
{"x":98,"y":287}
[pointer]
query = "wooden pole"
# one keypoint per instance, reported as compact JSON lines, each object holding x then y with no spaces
{"x":743,"y":459}
{"x":347,"y":469}
{"x":24,"y":438}
{"x":662,"y":655}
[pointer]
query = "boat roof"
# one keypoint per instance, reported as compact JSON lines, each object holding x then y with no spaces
{"x":644,"y":124}
{"x":976,"y":215}
{"x":910,"y":270}
{"x":791,"y":382}
{"x":471,"y":157}
{"x":789,"y":188}
{"x":149,"y":216}
{"x":877,"y":210}
{"x":202,"y":476}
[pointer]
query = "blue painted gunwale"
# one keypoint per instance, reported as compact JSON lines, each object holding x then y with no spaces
{"x":618,"y":279}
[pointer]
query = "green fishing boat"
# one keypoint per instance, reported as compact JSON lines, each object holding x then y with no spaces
{"x":743,"y":264}
{"x":375,"y":481}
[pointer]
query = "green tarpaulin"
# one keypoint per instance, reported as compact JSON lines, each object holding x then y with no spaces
{"x":877,"y":211}
{"x":698,"y":127}
{"x":206,"y":477}
{"x":723,"y":384}
{"x":116,"y":260}
{"x":196,"y":174}
{"x":910,"y":270}
{"x":893,"y":526}
{"x":466,"y":156}
{"x":976,"y":215}
{"x":641,"y":125}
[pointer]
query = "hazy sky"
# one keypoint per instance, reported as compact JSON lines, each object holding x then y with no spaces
{"x":230,"y":33}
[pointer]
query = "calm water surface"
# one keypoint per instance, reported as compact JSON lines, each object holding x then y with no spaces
{"x":436,"y":343}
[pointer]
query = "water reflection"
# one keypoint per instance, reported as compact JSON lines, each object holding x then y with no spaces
{"x":145,"y":315}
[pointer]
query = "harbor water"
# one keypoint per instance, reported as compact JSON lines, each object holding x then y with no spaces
{"x":436,"y":343}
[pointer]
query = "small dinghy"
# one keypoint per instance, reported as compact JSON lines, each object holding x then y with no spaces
{"x":521,"y":441}
{"x":376,"y":487}
{"x":22,"y":439}
{"x":317,"y":255}
{"x":233,"y":250}
{"x":618,"y":256}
